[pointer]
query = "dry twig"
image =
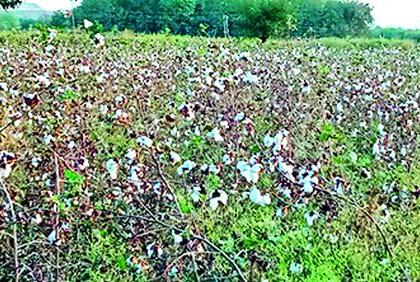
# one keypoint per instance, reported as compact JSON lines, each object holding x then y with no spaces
{"x":15,"y":237}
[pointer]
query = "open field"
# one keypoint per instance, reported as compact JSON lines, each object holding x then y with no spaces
{"x":164,"y":158}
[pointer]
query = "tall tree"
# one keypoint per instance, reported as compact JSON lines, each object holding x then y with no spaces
{"x":6,"y":4}
{"x":265,"y":18}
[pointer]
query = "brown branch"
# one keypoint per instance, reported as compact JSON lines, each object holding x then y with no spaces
{"x":166,"y":182}
{"x":15,"y":237}
{"x":371,"y":218}
{"x":200,"y":238}
{"x":57,"y":217}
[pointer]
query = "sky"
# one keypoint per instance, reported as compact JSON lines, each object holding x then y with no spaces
{"x":395,"y":13}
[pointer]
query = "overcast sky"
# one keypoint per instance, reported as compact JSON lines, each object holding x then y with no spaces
{"x":398,"y":13}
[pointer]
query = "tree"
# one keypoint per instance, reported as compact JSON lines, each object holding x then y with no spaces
{"x":321,"y":18}
{"x":58,"y":19}
{"x":105,"y":12}
{"x":265,"y":18}
{"x":178,"y":15}
{"x":8,"y":21}
{"x":6,"y":4}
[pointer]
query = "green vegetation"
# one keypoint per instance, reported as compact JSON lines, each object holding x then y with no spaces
{"x":396,"y":33}
{"x":254,"y":18}
{"x":8,"y":21}
{"x":150,"y":157}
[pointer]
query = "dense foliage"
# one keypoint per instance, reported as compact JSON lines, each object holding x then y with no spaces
{"x":8,"y":21}
{"x":6,"y":4}
{"x":396,"y":33}
{"x":324,"y":18}
{"x":260,"y":18}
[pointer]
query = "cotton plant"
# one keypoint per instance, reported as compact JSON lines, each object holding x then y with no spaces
{"x":217,"y":198}
{"x":131,"y":155}
{"x":286,"y":169}
{"x":295,"y":268}
{"x":211,"y":168}
{"x":251,"y":172}
{"x":6,"y":161}
{"x":239,"y":117}
{"x":309,"y":179}
{"x":250,"y":78}
{"x":177,"y":238}
{"x":227,"y":159}
{"x":257,"y":198}
{"x":278,"y":142}
{"x":154,"y":250}
{"x":112,"y":168}
{"x":145,"y":141}
{"x":215,"y":134}
{"x":175,"y":158}
{"x":311,"y":217}
{"x":186,"y":167}
{"x":196,"y":194}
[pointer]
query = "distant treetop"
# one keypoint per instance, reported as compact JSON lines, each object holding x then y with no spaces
{"x":6,"y":4}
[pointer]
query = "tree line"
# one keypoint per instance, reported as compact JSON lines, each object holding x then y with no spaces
{"x":250,"y":18}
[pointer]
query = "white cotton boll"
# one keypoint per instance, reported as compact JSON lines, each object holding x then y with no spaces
{"x":238,"y":72}
{"x":131,"y":154}
{"x":84,"y":69}
{"x":35,"y":162}
{"x":286,"y":169}
{"x":87,"y":24}
{"x":381,"y":128}
{"x":71,"y":145}
{"x":295,"y":268}
{"x":44,"y":80}
{"x":177,"y":238}
{"x":307,"y":186}
{"x":239,"y":117}
{"x":214,"y":203}
{"x":219,"y":84}
{"x":339,"y":107}
{"x":175,"y":157}
{"x":250,"y":78}
{"x":393,"y":155}
{"x":48,"y":139}
{"x":257,"y":198}
{"x":353,"y":157}
{"x":215,"y":134}
{"x":403,"y":151}
{"x":311,"y":217}
{"x":3,"y":86}
{"x":5,"y":171}
{"x":52,"y":237}
{"x":186,"y":167}
{"x":100,"y":39}
{"x":145,"y":141}
{"x":112,"y":168}
{"x":227,"y":160}
{"x":221,"y":199}
{"x":49,"y":48}
{"x":376,"y":149}
{"x":250,"y":173}
{"x":195,"y":194}
{"x":255,"y":195}
{"x":214,"y":169}
{"x":268,"y":141}
{"x":103,"y":109}
{"x":224,"y":124}
{"x":306,"y":89}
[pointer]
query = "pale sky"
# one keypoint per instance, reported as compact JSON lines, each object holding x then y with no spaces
{"x":396,"y":13}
